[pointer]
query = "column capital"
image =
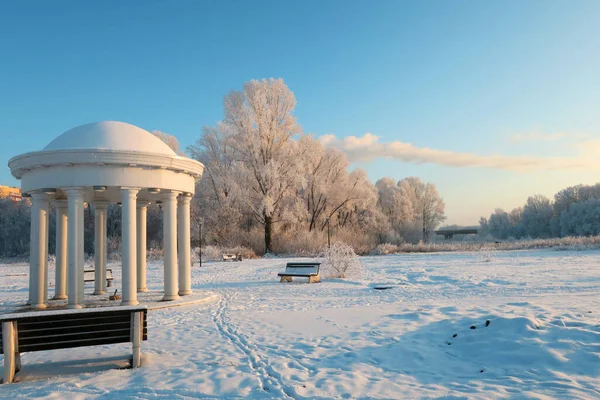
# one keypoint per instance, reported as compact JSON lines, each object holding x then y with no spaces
{"x":75,"y":192}
{"x":184,"y":198}
{"x":129,"y":192}
{"x":39,"y":196}
{"x":170,"y":195}
{"x":101,"y":204}
{"x":143,"y":204}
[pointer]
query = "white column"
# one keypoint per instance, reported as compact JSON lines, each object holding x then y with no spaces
{"x":142,"y":207}
{"x":38,"y":261}
{"x":60,"y":291}
{"x":128,"y":236}
{"x":75,"y":255}
{"x":170,"y":245}
{"x":100,"y":246}
{"x":183,"y":234}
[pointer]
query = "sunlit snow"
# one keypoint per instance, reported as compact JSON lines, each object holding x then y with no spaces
{"x":424,"y":336}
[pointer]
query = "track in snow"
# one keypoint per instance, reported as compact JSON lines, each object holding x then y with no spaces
{"x":269,"y":380}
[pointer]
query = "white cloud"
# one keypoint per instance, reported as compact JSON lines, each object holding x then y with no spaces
{"x":368,"y":147}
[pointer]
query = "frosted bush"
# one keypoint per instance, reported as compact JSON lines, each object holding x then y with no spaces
{"x":211,"y":253}
{"x":245,"y":252}
{"x":384,"y":249}
{"x":155,"y":253}
{"x":341,"y":262}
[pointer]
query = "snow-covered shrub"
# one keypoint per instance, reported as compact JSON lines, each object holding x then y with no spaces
{"x":245,"y":252}
{"x":155,"y":253}
{"x":211,"y":253}
{"x":341,"y":262}
{"x":384,"y":249}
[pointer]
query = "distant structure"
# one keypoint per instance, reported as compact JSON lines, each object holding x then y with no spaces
{"x":9,"y":192}
{"x":449,"y":233}
{"x":102,"y":163}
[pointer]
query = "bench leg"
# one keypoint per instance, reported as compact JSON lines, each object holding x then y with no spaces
{"x":17,"y":353}
{"x":8,"y":347}
{"x":137,"y":339}
{"x":17,"y":362}
{"x":286,"y":279}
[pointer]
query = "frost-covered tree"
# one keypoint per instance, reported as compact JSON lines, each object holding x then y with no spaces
{"x":362,"y":214}
{"x":499,"y":224}
{"x":170,"y":141}
{"x":426,"y":203}
{"x":261,"y":124}
{"x":536,"y":216}
{"x":328,"y":186}
{"x":15,"y":219}
{"x":217,"y":202}
{"x":515,"y":218}
{"x":391,"y":202}
{"x":581,"y":219}
{"x":484,"y":227}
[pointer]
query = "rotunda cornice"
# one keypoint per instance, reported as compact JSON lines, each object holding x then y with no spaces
{"x":99,"y":157}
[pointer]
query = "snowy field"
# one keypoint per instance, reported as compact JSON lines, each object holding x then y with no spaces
{"x":343,"y":339}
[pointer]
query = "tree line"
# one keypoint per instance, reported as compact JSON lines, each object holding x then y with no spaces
{"x":574,"y":211}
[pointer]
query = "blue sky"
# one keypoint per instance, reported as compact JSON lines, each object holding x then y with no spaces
{"x":486,"y":78}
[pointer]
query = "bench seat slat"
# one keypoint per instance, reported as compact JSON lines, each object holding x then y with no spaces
{"x":66,"y":321}
{"x":24,"y":328}
{"x":67,"y":317}
{"x":67,"y":337}
{"x":297,"y":275}
{"x":302,"y":265}
{"x":297,"y":264}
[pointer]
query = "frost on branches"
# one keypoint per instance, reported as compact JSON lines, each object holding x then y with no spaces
{"x":341,"y":262}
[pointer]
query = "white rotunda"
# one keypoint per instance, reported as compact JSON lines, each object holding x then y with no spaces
{"x":102,"y":163}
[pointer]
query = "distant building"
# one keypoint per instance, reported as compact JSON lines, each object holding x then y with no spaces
{"x":9,"y":192}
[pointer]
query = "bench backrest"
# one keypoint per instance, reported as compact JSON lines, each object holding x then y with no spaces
{"x":89,"y":275}
{"x":302,"y":268}
{"x":75,"y":329}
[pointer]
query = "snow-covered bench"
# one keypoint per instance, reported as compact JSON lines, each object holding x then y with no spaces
{"x":310,"y":270}
{"x":88,"y":276}
{"x":63,"y":329}
{"x":232,"y":257}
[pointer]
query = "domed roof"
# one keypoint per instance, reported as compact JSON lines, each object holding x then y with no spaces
{"x":110,"y":135}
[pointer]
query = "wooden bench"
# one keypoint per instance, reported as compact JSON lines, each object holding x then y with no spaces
{"x":232,"y":257}
{"x":310,"y":270}
{"x":89,"y":276}
{"x":63,"y":329}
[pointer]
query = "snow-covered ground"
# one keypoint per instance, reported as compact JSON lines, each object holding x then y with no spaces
{"x":343,"y":339}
